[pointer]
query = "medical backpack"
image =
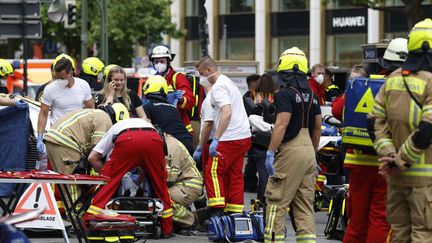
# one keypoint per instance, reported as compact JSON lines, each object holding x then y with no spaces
{"x":337,"y":218}
{"x":197,"y":91}
{"x":360,"y":97}
{"x":236,"y":227}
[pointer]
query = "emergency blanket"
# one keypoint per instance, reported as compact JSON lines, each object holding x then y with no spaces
{"x":14,"y":133}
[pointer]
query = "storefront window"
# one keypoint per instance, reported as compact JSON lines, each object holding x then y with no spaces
{"x":391,"y":36}
{"x":289,"y":5}
{"x":344,"y":50}
{"x":236,"y":6}
{"x":192,"y":8}
{"x":241,"y":49}
{"x":280,"y":44}
{"x":400,"y":2}
{"x":394,"y":3}
{"x":336,"y":4}
{"x":193,"y":50}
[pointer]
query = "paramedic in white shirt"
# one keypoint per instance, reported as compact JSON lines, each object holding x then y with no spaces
{"x":65,"y":94}
{"x":223,"y":175}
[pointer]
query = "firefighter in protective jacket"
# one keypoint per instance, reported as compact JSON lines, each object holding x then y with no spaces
{"x":366,"y":201}
{"x":161,"y":57}
{"x":185,"y":183}
{"x":402,"y":118}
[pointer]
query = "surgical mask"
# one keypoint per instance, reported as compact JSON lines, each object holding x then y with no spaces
{"x":62,"y":82}
{"x":160,"y":67}
{"x":204,"y":79}
{"x":320,"y":79}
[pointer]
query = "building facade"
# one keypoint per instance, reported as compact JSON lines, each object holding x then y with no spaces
{"x":259,"y":30}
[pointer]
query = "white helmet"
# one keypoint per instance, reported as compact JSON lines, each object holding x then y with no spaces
{"x":397,"y":50}
{"x":161,"y":51}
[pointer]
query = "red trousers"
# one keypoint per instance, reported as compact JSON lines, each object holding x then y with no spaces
{"x":224,"y":177}
{"x":205,"y":157}
{"x":366,"y":206}
{"x":133,"y":149}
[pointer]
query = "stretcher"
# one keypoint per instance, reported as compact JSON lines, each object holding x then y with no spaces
{"x":144,"y":222}
{"x":146,"y":210}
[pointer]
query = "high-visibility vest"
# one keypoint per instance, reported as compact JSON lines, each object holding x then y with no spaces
{"x":360,"y":98}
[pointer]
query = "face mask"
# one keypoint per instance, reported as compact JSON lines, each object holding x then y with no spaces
{"x":160,"y":67}
{"x":62,"y":82}
{"x":204,"y":79}
{"x":320,"y":79}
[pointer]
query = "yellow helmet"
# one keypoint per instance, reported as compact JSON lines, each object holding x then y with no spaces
{"x":5,"y":68}
{"x":155,"y":84}
{"x":64,"y":56}
{"x":420,"y":33}
{"x":116,"y":112}
{"x":92,"y":66}
{"x":293,"y":59}
{"x":108,"y":68}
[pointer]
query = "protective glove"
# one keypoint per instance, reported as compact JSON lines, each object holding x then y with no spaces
{"x":197,"y":154}
{"x":213,"y":146}
{"x":269,"y":162}
{"x":178,"y":95}
{"x":40,"y":146}
{"x":20,"y":104}
{"x":171,"y":97}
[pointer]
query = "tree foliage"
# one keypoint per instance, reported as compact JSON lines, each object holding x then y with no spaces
{"x":129,"y":22}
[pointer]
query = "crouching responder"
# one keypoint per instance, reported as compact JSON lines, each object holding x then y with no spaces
{"x":72,"y":137}
{"x":165,"y":115}
{"x":402,"y":117}
{"x":185,"y":184}
{"x":295,"y":139}
{"x":130,"y":143}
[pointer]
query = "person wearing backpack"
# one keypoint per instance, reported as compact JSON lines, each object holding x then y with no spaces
{"x":367,"y":189}
{"x":402,"y":122}
{"x":161,"y":58}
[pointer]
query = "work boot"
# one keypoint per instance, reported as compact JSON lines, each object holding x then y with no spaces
{"x":215,"y":212}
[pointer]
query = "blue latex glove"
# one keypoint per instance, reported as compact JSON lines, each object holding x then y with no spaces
{"x":20,"y":104}
{"x":40,"y":146}
{"x":178,"y":95}
{"x":269,"y":162}
{"x":197,"y":154}
{"x":213,"y":146}
{"x":171,"y":97}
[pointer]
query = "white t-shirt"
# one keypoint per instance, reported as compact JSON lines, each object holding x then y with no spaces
{"x":226,"y":92}
{"x":105,"y":145}
{"x":64,"y":99}
{"x":207,"y":114}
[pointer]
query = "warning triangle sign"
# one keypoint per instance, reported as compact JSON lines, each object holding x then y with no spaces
{"x":366,"y":102}
{"x":40,"y":195}
{"x":36,"y":196}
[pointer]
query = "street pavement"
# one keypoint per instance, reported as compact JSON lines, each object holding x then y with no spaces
{"x":321,"y":219}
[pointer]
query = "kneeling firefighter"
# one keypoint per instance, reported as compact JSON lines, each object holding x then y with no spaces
{"x":185,"y":183}
{"x":295,"y":139}
{"x":72,"y":137}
